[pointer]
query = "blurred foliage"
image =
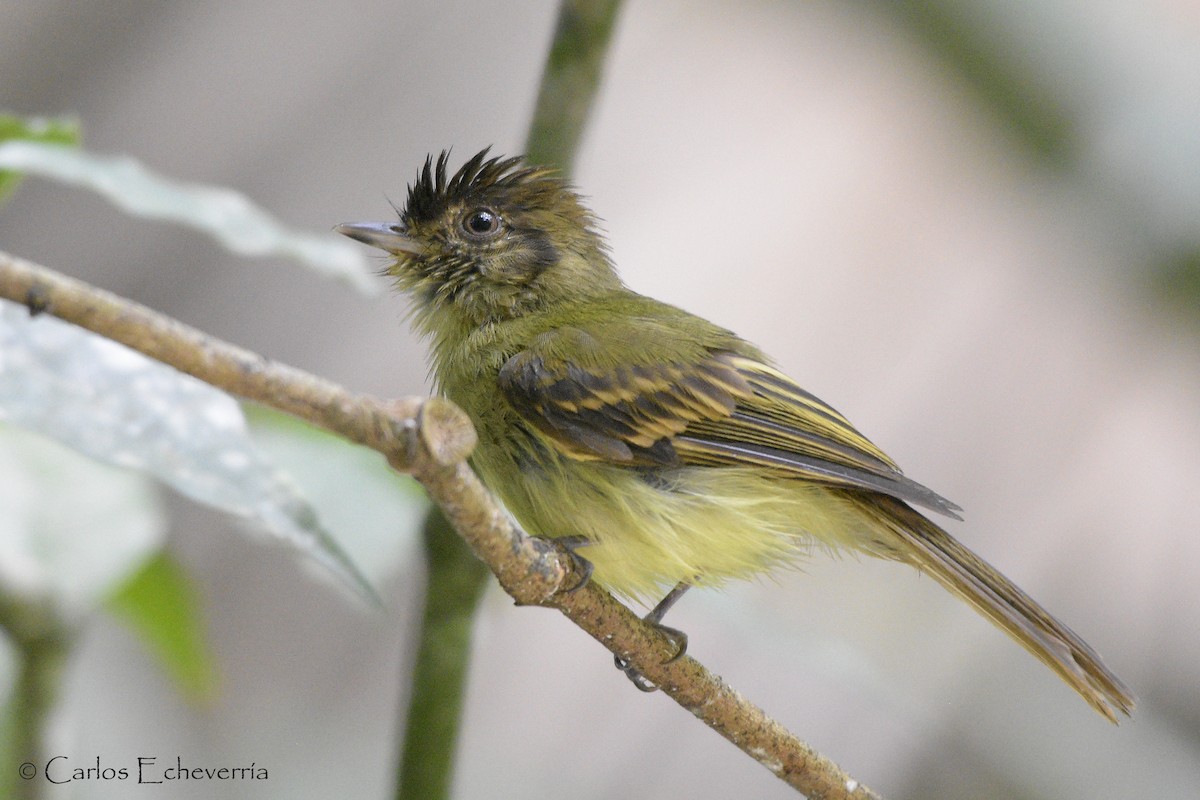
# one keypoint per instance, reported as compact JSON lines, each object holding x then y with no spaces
{"x":163,"y":607}
{"x":1026,"y":108}
{"x":63,"y":131}
{"x":95,"y":544}
{"x":998,"y":67}
{"x":1178,"y":282}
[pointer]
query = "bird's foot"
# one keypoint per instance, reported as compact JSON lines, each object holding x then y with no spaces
{"x":677,"y":637}
{"x":580,"y":566}
{"x":679,"y":642}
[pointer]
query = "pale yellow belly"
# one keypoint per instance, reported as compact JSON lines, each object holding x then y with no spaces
{"x":699,"y":525}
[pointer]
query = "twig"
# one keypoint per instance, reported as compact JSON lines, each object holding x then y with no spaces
{"x":430,"y":439}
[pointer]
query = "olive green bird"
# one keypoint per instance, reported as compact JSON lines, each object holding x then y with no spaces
{"x":674,"y":449}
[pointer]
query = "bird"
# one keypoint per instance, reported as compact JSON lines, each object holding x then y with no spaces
{"x":669,"y":450}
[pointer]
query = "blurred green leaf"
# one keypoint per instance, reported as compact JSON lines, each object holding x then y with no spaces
{"x":62,"y":131}
{"x":163,"y":608}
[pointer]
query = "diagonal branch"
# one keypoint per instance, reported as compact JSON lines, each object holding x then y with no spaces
{"x":430,"y":438}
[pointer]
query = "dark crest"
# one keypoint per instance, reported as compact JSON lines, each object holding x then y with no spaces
{"x":433,"y":192}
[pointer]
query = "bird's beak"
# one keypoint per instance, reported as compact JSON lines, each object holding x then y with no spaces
{"x":385,"y":235}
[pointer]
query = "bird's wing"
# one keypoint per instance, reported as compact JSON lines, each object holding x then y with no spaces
{"x":713,"y":408}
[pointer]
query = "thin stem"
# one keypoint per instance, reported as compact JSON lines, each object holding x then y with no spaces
{"x":455,"y":583}
{"x":570,"y":81}
{"x":41,"y":644}
{"x":35,"y":694}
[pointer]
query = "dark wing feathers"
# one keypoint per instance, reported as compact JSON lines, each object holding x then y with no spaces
{"x":629,"y":414}
{"x":821,"y":470}
{"x":721,"y":409}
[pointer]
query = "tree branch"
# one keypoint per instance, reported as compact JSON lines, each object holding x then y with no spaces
{"x":431,"y":439}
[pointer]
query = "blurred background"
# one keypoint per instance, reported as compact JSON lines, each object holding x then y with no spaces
{"x":972,"y":227}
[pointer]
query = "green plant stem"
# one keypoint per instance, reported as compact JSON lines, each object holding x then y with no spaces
{"x":41,"y":645}
{"x":570,"y":81}
{"x":34,"y":697}
{"x":452,"y":591}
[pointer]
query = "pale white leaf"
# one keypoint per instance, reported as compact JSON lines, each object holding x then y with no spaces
{"x":228,"y":216}
{"x":117,"y":406}
{"x":73,"y":529}
{"x":375,"y":513}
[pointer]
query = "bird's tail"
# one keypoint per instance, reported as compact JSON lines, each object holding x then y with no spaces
{"x":921,"y":543}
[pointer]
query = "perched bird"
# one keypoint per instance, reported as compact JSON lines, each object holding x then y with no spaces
{"x":674,"y":449}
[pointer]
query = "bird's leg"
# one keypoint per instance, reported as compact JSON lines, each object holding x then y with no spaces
{"x":583,"y":568}
{"x":677,"y":637}
{"x":659,"y":611}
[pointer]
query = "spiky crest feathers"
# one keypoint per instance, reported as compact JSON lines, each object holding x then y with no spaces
{"x":435,"y":190}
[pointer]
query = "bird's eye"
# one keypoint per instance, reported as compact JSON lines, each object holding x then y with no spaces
{"x":481,"y":223}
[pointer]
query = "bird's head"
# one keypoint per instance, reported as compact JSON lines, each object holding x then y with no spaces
{"x":499,"y":239}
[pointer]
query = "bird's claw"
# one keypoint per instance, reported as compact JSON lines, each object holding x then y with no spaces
{"x":640,"y":681}
{"x":569,"y":545}
{"x":677,"y":638}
